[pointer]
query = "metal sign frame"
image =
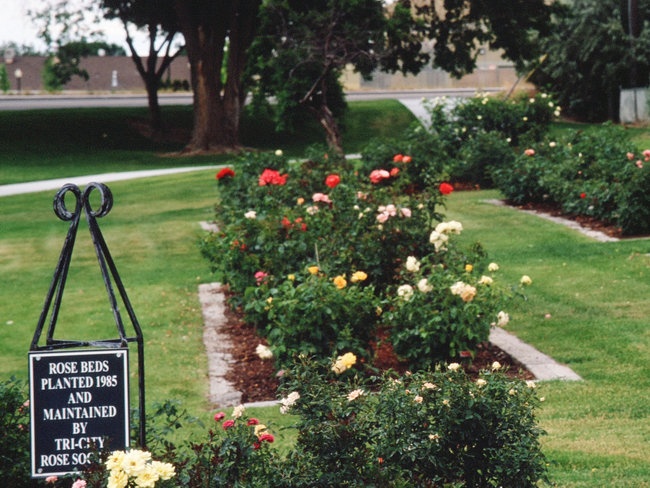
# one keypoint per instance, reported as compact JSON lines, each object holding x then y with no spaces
{"x":111,"y":280}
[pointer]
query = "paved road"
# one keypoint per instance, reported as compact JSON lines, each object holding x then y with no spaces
{"x":81,"y":100}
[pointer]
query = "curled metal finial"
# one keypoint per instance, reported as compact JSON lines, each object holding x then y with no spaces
{"x":82,"y":200}
{"x":106,"y":203}
{"x":60,"y":208}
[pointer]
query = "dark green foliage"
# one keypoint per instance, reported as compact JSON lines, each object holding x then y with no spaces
{"x":422,"y":430}
{"x":598,"y":173}
{"x":15,"y":470}
{"x":589,"y":56}
{"x":466,"y":25}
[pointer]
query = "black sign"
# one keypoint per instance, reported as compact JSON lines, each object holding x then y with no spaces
{"x":79,"y":403}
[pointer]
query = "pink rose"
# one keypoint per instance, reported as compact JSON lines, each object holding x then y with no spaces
{"x":260,"y":276}
{"x":378,"y":174}
{"x":529,"y":152}
{"x":79,"y":484}
{"x":228,"y":424}
{"x":321,"y":197}
{"x":219,"y":416}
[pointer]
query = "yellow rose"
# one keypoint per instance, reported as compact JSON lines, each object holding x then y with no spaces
{"x":469,"y":268}
{"x":344,"y":362}
{"x":358,"y":276}
{"x":340,"y":282}
{"x":313,"y":269}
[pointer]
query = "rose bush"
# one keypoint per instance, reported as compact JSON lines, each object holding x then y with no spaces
{"x":438,"y":428}
{"x":323,"y":213}
{"x":598,"y":173}
{"x":314,"y":313}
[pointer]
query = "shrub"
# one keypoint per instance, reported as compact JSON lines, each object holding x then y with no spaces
{"x":277,"y":220}
{"x":478,"y":135}
{"x":237,"y":453}
{"x":516,"y":120}
{"x":5,"y":85}
{"x":434,"y":428}
{"x":14,"y":443}
{"x":315,"y":314}
{"x":446,"y":302}
{"x":597,"y":173}
{"x":481,"y":156}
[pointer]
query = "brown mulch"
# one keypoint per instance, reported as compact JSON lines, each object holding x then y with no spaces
{"x":584,"y":221}
{"x":257,"y":379}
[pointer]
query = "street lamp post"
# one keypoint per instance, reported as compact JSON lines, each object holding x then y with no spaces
{"x":19,"y":78}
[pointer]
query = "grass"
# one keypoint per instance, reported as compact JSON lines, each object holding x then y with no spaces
{"x":587,"y":307}
{"x":44,"y":144}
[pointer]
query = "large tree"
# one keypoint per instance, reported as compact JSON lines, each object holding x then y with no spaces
{"x":159,"y":19}
{"x":596,"y":48}
{"x":303,"y":48}
{"x":217,"y":35}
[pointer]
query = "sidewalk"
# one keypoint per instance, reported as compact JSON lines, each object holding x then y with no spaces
{"x":56,"y":184}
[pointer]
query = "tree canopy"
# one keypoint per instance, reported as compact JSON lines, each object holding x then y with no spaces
{"x":459,"y":28}
{"x":303,"y":47}
{"x":591,"y":54}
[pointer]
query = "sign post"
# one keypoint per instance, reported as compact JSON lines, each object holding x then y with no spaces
{"x":79,"y":390}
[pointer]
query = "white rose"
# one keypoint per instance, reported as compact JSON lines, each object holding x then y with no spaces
{"x":412,"y":264}
{"x":424,"y":286}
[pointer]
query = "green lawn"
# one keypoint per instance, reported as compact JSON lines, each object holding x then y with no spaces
{"x":44,"y":144}
{"x":588,"y":305}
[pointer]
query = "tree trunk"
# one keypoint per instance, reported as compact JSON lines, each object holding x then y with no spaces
{"x":152,"y":74}
{"x":207,"y":26}
{"x":155,"y":115}
{"x":332,"y":131}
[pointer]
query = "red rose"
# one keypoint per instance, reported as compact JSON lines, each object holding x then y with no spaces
{"x":225,"y":172}
{"x":332,"y":180}
{"x":266,"y":437}
{"x":398,"y":158}
{"x":219,"y":416}
{"x":583,"y":195}
{"x":272,"y":177}
{"x":445,"y":188}
{"x":394,"y":171}
{"x":228,"y":424}
{"x":252,"y":421}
